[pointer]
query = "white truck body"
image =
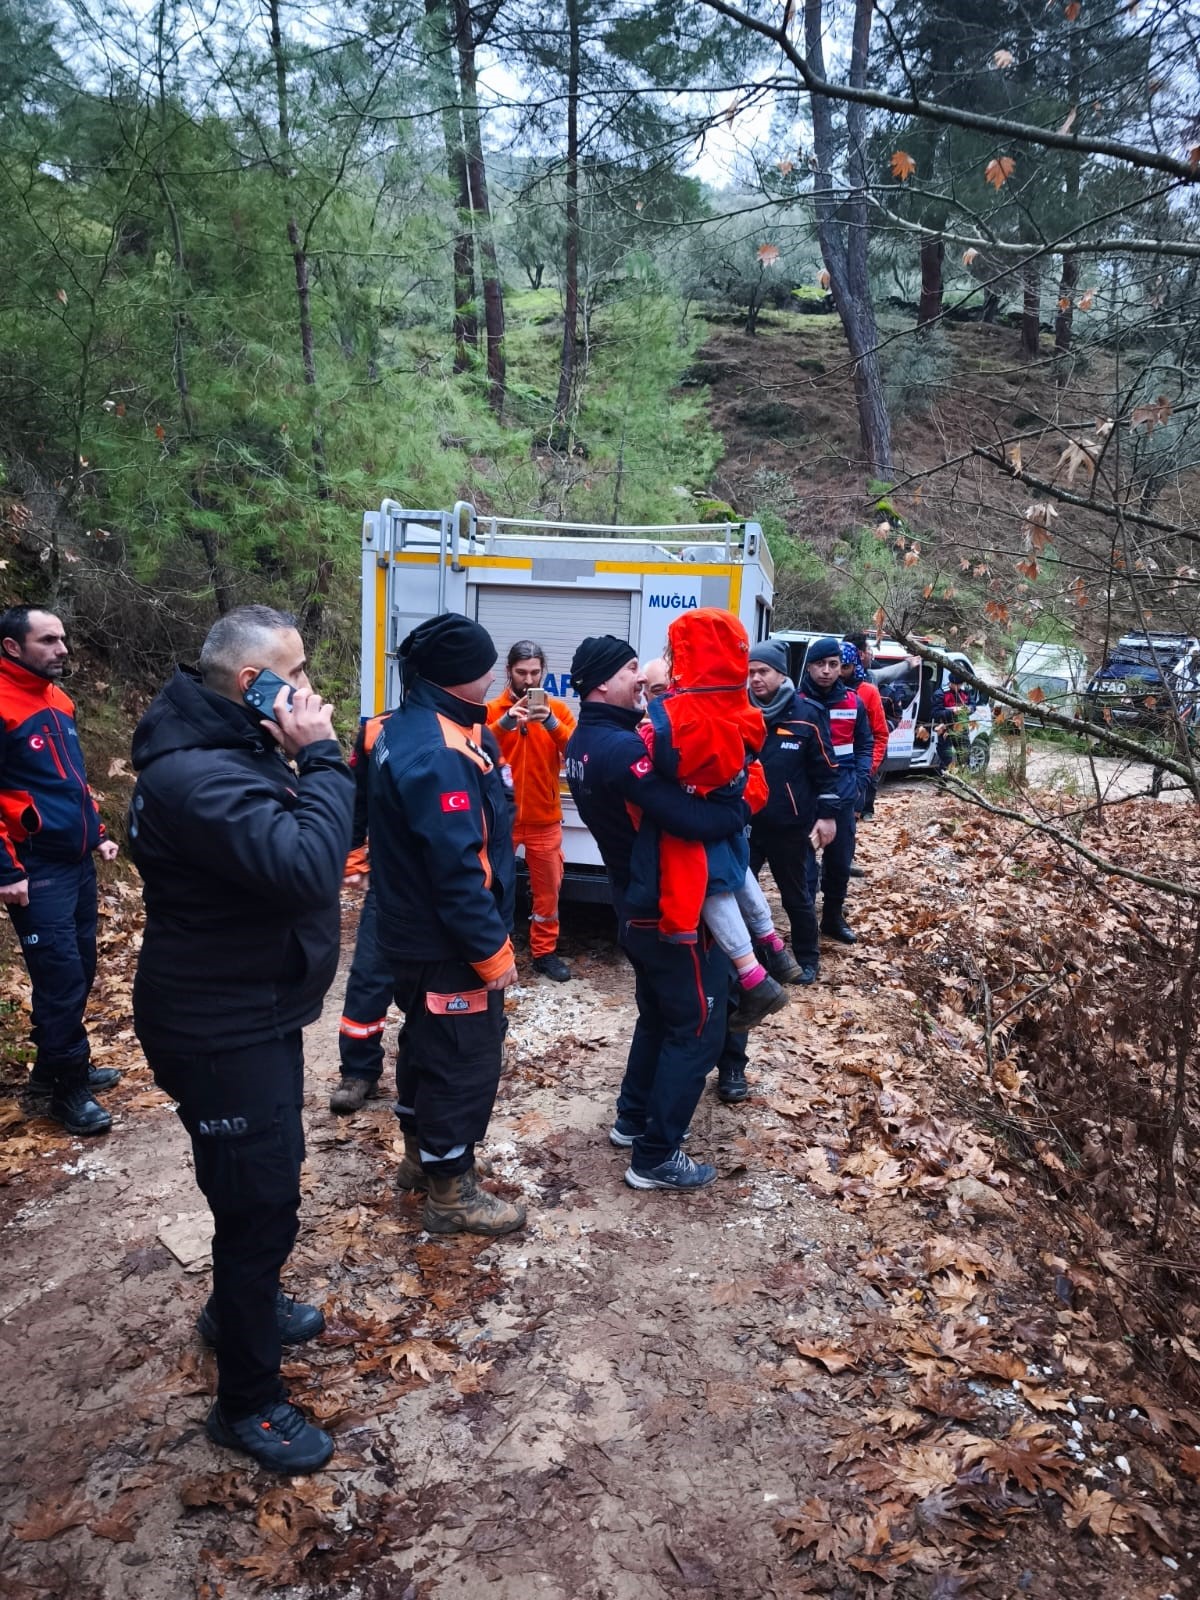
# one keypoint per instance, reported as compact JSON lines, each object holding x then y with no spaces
{"x":555,"y":583}
{"x":1059,"y":671}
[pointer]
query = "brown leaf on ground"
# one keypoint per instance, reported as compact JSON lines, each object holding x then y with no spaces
{"x":830,"y":1357}
{"x":54,"y":1516}
{"x":817,"y":1527}
{"x":225,"y":1489}
{"x":1032,"y":1456}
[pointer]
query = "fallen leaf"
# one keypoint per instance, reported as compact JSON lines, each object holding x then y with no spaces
{"x":831,"y":1358}
{"x":55,"y":1516}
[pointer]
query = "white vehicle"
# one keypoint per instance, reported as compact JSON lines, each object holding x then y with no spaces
{"x":556,"y":583}
{"x":912,"y":746}
{"x":1060,"y":672}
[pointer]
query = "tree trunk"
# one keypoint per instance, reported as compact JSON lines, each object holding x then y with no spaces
{"x":570,"y":339}
{"x":493,"y":294}
{"x":1031,"y":310}
{"x":933,"y":253}
{"x":466,"y":317}
{"x":299,"y":254}
{"x":842,"y":234}
{"x":1065,"y":316}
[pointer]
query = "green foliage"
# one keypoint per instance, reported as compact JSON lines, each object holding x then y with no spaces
{"x":916,"y":372}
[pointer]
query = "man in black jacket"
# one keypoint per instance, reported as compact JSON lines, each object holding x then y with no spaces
{"x":682,"y":991}
{"x":239,"y":826}
{"x":444,"y":878}
{"x":807,"y":788}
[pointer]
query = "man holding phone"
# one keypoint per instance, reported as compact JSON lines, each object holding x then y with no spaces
{"x":533,"y":730}
{"x":239,"y":826}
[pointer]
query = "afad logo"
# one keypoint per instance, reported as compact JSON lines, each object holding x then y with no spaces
{"x":458,"y":1004}
{"x":672,"y":602}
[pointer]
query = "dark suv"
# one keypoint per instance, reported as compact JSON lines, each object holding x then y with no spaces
{"x":1142,"y":675}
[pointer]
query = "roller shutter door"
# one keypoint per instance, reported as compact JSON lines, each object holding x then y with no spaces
{"x":557,"y":619}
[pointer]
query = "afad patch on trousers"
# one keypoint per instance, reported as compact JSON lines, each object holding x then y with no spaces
{"x":457,"y":1005}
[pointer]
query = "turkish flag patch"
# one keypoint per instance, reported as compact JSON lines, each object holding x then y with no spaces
{"x":456,"y":800}
{"x":642,"y":768}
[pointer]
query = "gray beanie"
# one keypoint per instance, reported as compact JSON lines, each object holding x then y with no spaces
{"x":772,"y":653}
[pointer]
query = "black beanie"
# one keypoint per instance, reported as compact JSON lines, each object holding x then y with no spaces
{"x":821,"y":649}
{"x":447,"y":649}
{"x":597,"y":659}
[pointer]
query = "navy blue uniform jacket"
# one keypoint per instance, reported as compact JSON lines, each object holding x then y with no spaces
{"x":608,"y":771}
{"x":441,"y":835}
{"x":803,"y":774}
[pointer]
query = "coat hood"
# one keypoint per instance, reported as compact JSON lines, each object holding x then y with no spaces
{"x":187,"y":716}
{"x":710,"y":649}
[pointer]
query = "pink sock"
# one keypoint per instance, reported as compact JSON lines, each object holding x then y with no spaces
{"x":752,"y":976}
{"x":772,"y":940}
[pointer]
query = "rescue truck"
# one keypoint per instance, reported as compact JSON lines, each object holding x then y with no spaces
{"x":555,"y":583}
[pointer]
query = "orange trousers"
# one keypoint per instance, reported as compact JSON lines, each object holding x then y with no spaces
{"x":544,"y":863}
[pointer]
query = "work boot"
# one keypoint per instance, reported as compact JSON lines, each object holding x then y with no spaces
{"x":857,"y":872}
{"x":834,"y":926}
{"x":280,"y":1438}
{"x":41,"y":1082}
{"x":297,"y":1322}
{"x":459,"y":1205}
{"x":412,"y":1177}
{"x":552,"y":966}
{"x":781,"y":964}
{"x":351,"y":1094}
{"x":756,"y":1004}
{"x":73,"y":1106}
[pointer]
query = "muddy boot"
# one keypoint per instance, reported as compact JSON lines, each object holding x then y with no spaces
{"x":756,"y":1004}
{"x":459,"y":1205}
{"x":780,"y":963}
{"x":411,"y":1176}
{"x":352,"y":1093}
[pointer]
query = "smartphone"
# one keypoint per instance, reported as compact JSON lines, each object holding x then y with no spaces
{"x":263,"y":691}
{"x":535,"y":699}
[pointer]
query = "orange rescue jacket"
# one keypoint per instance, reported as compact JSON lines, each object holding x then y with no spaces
{"x":535,"y":754}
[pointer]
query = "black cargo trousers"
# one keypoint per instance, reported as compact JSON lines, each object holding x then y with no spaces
{"x":448,"y":1060}
{"x":242,"y":1109}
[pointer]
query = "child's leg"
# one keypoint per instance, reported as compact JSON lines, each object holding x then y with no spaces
{"x":752,"y":903}
{"x":724,"y":921}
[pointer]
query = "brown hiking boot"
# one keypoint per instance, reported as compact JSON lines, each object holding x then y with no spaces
{"x":411,"y":1176}
{"x":459,"y":1205}
{"x":352,"y":1094}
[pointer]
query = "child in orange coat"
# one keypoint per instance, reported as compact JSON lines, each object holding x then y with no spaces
{"x":706,"y":735}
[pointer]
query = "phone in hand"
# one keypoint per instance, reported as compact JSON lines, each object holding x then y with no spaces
{"x":535,"y":699}
{"x":262,"y":692}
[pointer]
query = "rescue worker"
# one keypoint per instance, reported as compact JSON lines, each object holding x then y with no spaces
{"x":532,"y":741}
{"x":658,"y":678}
{"x":444,"y":877}
{"x":369,"y":985}
{"x":682,"y":991}
{"x":808,"y":792}
{"x":49,"y":829}
{"x":854,"y":673}
{"x":854,"y":747}
{"x":239,"y":826}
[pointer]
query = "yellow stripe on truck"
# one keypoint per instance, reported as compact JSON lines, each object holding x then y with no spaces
{"x":381,"y":613}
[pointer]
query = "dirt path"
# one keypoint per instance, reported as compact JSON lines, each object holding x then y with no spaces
{"x":1118,"y":779}
{"x":801,"y":1381}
